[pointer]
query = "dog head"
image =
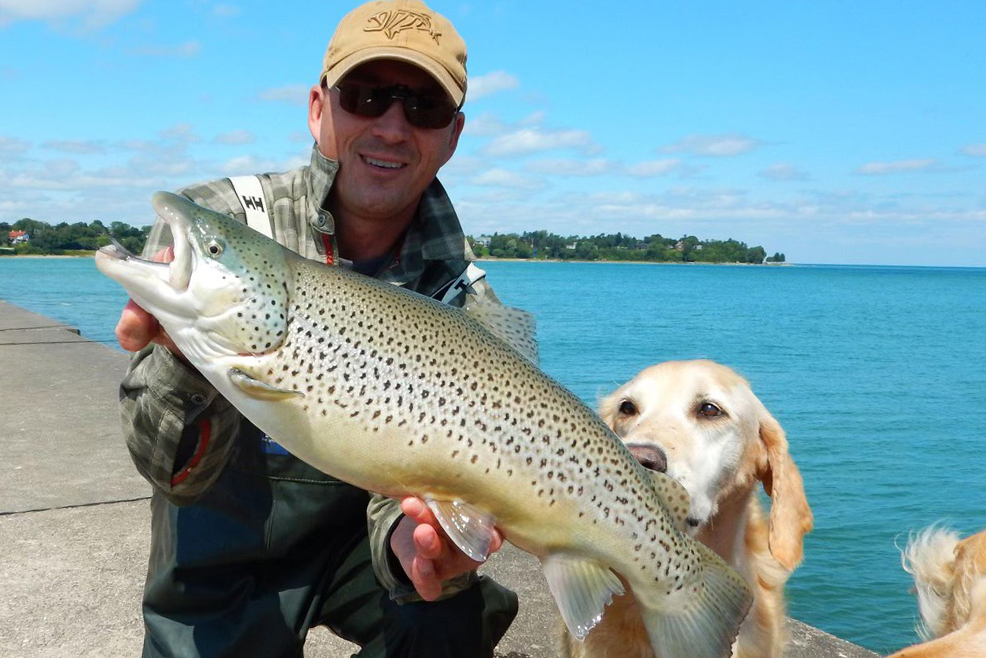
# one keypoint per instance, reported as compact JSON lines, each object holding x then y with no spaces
{"x":700,"y":422}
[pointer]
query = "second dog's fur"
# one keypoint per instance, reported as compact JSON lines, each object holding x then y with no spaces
{"x":701,"y":423}
{"x":950,"y":582}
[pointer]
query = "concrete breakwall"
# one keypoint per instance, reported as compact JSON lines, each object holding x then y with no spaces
{"x":74,"y":518}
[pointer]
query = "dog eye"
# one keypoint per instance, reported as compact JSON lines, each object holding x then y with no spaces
{"x":628,"y":408}
{"x":710,"y":410}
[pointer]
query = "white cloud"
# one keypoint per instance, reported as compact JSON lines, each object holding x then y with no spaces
{"x":80,"y":147}
{"x":225,"y":11}
{"x":503,"y":178}
{"x":716,"y":146}
{"x":139,"y":145}
{"x":653,"y":168}
{"x":235,"y":137}
{"x":534,"y":118}
{"x":484,"y":125}
{"x":182,"y":50}
{"x":783,"y":171}
{"x":13,"y":146}
{"x":602,"y":167}
{"x":180,"y":132}
{"x":294,"y":94}
{"x":489,"y":84}
{"x":116,"y":184}
{"x":976,"y":150}
{"x":93,"y":14}
{"x":247,"y":164}
{"x":300,"y":137}
{"x":896,"y":167}
{"x":571,"y":167}
{"x":175,"y":164}
{"x":67,"y":175}
{"x":532,"y":140}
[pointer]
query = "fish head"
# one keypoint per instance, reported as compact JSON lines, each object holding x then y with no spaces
{"x":226,"y":290}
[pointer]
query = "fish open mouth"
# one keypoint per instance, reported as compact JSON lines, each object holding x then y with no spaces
{"x":155,"y":283}
{"x":116,"y":251}
{"x":172,"y":265}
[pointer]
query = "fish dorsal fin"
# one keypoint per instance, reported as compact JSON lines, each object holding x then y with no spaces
{"x":470,"y":528}
{"x":582,"y":589}
{"x":515,"y":327}
{"x":259,"y":389}
{"x":673,"y":496}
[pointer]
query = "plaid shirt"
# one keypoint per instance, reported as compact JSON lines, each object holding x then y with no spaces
{"x":164,"y":401}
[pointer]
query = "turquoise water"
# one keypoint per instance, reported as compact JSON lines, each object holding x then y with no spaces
{"x":876,"y":373}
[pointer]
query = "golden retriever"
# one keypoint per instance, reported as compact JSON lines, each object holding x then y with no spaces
{"x":700,"y":422}
{"x":950,"y":581}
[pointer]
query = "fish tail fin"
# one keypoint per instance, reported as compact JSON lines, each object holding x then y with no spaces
{"x":705,"y":620}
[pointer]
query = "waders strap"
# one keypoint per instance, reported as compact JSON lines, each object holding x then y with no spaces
{"x":469,"y":276}
{"x":251,"y":196}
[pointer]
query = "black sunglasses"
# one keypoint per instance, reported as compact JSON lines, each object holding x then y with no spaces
{"x":420,"y":110}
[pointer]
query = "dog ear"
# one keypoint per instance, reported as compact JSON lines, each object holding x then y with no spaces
{"x":790,"y":516}
{"x":607,"y":409}
{"x":968,"y":600}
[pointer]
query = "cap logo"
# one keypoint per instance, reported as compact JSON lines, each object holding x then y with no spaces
{"x":392,"y":23}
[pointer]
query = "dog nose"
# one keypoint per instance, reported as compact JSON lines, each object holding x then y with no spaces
{"x":649,"y":456}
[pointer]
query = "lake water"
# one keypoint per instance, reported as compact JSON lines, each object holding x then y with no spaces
{"x":877,"y":374}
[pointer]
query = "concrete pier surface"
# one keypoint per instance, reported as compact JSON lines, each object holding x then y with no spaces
{"x":74,"y":517}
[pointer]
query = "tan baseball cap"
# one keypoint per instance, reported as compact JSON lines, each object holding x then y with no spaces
{"x":405,"y":30}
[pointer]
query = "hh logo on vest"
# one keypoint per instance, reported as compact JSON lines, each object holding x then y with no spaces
{"x":253,"y":203}
{"x":392,"y":23}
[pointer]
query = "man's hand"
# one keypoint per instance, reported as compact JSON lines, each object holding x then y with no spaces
{"x":136,"y":327}
{"x":428,"y":556}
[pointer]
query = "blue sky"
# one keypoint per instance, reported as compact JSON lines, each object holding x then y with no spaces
{"x":834,"y":132}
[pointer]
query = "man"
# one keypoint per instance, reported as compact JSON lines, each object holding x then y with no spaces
{"x":251,"y":547}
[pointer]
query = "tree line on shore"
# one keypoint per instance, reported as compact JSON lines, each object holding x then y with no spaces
{"x":45,"y":239}
{"x":619,"y":247}
{"x":64,"y":237}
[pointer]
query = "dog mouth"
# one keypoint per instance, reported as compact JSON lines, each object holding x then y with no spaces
{"x":654,"y":458}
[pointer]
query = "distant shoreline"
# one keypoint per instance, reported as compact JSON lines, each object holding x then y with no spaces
{"x":624,"y":262}
{"x":91,"y":254}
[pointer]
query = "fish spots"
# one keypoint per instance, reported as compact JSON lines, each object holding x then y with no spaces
{"x":410,"y":380}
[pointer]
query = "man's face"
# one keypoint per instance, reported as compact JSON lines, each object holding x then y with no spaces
{"x":385,"y":163}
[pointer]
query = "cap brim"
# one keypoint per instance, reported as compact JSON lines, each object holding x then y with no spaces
{"x":438,"y":72}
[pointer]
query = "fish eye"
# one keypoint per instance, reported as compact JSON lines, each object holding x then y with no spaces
{"x":628,"y":408}
{"x":709,"y":410}
{"x":214,"y":248}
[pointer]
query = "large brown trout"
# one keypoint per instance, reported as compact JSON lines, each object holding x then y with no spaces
{"x":401,"y":395}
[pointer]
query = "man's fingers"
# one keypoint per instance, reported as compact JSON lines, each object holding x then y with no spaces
{"x":136,"y":327}
{"x":497,"y":542}
{"x":165,"y":255}
{"x":427,"y":542}
{"x":417,"y":510}
{"x":422,"y":575}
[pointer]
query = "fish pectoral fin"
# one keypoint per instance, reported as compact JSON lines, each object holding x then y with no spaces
{"x":674,"y":496}
{"x":582,"y":589}
{"x":258,"y":389}
{"x":705,"y":622}
{"x":516,"y":327}
{"x":470,"y":528}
